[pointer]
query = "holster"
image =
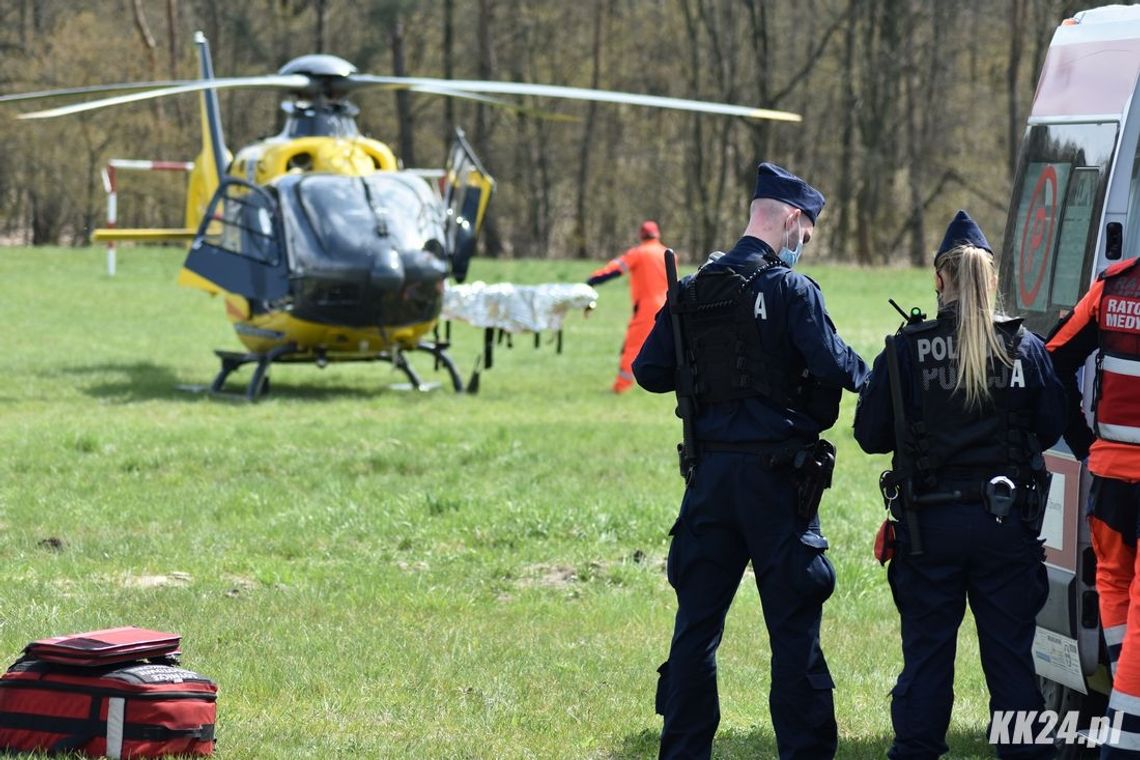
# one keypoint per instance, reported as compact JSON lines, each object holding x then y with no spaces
{"x":1036,"y":500}
{"x":687,"y":456}
{"x":813,"y":466}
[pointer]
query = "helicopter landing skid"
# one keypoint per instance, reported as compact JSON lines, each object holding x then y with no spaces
{"x":287,"y":354}
{"x":259,"y":383}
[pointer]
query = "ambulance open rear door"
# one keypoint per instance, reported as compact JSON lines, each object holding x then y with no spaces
{"x":1075,"y":208}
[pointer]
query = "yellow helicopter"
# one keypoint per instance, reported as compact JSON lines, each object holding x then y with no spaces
{"x":323,"y":247}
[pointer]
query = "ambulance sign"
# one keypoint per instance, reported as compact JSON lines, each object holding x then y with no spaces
{"x":1035,"y":236}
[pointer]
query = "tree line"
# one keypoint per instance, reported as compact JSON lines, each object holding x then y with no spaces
{"x":911,"y":109}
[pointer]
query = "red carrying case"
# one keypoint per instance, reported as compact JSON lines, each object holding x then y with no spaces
{"x":115,"y":710}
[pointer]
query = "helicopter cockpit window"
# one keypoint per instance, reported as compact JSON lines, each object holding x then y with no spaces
{"x":242,"y":223}
{"x":352,"y":216}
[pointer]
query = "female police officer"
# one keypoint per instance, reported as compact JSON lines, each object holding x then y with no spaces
{"x":980,"y":401}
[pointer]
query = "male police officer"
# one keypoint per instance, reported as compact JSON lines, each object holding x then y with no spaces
{"x":765,"y":367}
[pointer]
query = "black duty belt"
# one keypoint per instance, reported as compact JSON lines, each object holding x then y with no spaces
{"x":968,"y":491}
{"x":771,"y":453}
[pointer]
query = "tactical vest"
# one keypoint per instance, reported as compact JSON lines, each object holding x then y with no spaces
{"x":1117,"y":399}
{"x":722,"y":338}
{"x":950,"y":442}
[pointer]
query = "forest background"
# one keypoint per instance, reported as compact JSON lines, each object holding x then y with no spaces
{"x":911,"y":109}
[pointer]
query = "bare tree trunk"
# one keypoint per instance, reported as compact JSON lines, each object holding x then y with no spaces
{"x":1012,"y":77}
{"x":880,"y":85}
{"x":320,"y":39}
{"x":147,"y":38}
{"x":492,"y":239}
{"x":758,"y":27}
{"x":916,"y":157}
{"x":723,"y":45}
{"x":172,"y":51}
{"x":816,"y":45}
{"x":448,"y":69}
{"x":842,"y":242}
{"x":151,"y":46}
{"x":172,"y":36}
{"x":46,"y":216}
{"x":95,"y":151}
{"x":702,"y":230}
{"x":404,"y":114}
{"x":533,"y":150}
{"x":581,"y":250}
{"x":213,"y":23}
{"x":484,"y":27}
{"x":24,"y":25}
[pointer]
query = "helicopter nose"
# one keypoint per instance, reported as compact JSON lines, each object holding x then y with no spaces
{"x":387,"y":273}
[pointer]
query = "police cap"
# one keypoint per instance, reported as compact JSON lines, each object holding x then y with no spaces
{"x":775,"y":182}
{"x":962,"y":231}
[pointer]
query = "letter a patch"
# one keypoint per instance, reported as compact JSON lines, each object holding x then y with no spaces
{"x":1017,"y":379}
{"x":759,"y":310}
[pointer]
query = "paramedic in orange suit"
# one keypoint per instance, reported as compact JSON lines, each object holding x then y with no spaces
{"x":645,"y":265}
{"x":1108,"y":319}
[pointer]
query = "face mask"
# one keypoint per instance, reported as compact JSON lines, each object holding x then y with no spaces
{"x":791,"y":255}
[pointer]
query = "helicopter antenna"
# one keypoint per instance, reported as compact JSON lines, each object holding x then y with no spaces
{"x":212,"y":120}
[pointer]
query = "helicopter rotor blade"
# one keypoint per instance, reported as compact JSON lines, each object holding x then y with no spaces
{"x":448,"y":92}
{"x":580,"y":93}
{"x":278,"y":82}
{"x":97,"y":89}
{"x":479,"y":90}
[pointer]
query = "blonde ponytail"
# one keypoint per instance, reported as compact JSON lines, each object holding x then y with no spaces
{"x":969,"y":273}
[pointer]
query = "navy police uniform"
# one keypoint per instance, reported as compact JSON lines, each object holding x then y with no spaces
{"x":968,"y":554}
{"x":779,"y":393}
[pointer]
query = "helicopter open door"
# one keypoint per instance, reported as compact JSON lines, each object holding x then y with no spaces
{"x":239,"y":246}
{"x":466,"y":193}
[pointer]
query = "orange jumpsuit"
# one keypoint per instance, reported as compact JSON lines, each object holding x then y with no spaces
{"x":1112,"y":523}
{"x":645,"y":265}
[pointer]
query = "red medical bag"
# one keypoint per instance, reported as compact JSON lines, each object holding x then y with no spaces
{"x":109,"y":708}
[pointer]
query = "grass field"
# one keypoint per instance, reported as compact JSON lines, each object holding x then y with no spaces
{"x":369,"y":572}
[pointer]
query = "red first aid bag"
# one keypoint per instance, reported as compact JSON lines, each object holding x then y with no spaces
{"x":115,"y":710}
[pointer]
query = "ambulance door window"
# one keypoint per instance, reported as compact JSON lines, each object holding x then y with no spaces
{"x":1035,"y":236}
{"x":1050,"y":236}
{"x":1132,"y":226}
{"x":1073,"y":236}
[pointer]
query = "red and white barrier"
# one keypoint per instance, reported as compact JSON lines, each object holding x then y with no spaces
{"x":110,"y":184}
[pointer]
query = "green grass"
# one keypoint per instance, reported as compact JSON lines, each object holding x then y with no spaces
{"x":368,"y":572}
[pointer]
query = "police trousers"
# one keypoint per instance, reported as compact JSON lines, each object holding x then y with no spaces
{"x":998,"y":568}
{"x":734,"y":511}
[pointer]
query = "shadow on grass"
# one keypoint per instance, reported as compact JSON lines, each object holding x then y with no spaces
{"x":732,"y":744}
{"x":130,"y":382}
{"x":127,"y":382}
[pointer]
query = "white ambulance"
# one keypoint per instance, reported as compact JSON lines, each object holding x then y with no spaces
{"x":1075,"y":209}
